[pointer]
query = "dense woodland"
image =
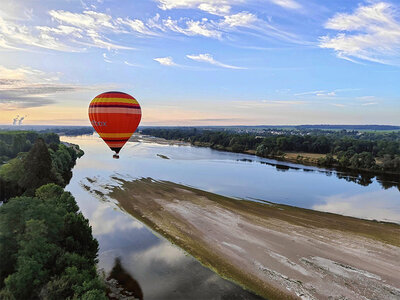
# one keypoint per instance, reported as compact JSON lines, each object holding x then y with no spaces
{"x":377,"y":152}
{"x":46,"y":245}
{"x":31,"y":160}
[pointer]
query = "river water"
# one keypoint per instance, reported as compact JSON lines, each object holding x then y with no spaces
{"x":163,"y":270}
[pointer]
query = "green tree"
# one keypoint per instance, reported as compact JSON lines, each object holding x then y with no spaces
{"x":37,"y":167}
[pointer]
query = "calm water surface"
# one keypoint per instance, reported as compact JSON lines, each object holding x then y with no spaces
{"x":165,"y":271}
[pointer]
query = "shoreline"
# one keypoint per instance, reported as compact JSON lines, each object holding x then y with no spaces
{"x":306,"y":159}
{"x":274,"y":250}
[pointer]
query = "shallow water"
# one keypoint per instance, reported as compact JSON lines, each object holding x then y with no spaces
{"x":165,"y":271}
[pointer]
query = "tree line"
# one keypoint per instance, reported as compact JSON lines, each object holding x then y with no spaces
{"x":379,"y":152}
{"x":14,"y":142}
{"x":47,"y":161}
{"x":46,"y":245}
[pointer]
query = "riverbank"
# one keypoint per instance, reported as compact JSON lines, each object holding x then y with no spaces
{"x":302,"y":158}
{"x":275,"y":250}
{"x":349,"y":151}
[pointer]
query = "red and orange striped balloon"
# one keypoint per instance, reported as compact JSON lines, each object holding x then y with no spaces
{"x":115,"y":116}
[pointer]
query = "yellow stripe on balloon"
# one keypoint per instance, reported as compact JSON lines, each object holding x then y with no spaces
{"x":121,"y":100}
{"x":116,"y":135}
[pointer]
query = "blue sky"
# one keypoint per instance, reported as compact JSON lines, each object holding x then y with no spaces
{"x":203,"y":62}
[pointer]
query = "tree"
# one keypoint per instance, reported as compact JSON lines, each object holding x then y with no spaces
{"x":37,"y":167}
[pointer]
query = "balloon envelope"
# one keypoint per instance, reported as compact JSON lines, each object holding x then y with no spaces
{"x":115,"y":116}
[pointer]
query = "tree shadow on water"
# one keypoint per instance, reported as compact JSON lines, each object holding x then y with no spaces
{"x":125,"y":284}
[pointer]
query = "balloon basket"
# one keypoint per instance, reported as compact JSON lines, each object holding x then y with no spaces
{"x":116,"y":156}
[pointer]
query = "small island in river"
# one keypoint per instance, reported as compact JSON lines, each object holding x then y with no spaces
{"x":275,"y":250}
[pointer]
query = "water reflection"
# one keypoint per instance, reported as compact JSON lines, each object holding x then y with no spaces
{"x":361,"y":178}
{"x":164,"y":271}
{"x":369,"y":205}
{"x":126,"y":284}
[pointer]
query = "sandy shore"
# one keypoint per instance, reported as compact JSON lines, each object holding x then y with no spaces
{"x":136,"y":137}
{"x":278,"y":251}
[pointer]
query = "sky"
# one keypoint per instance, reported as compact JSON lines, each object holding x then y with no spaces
{"x":202,"y":62}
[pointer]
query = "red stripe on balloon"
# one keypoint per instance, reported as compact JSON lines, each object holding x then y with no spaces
{"x":114,"y":95}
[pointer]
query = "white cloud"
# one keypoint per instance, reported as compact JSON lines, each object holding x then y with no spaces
{"x":371,"y":33}
{"x":165,"y":61}
{"x":217,"y":7}
{"x":320,"y":93}
{"x":106,"y":58}
{"x":13,"y":35}
{"x":86,"y":20}
{"x":326,"y":94}
{"x":76,"y":31}
{"x":202,"y":28}
{"x":131,"y":64}
{"x":72,"y":31}
{"x":136,"y":25}
{"x":241,"y":19}
{"x":207,"y":58}
{"x":290,"y":4}
{"x":92,"y":24}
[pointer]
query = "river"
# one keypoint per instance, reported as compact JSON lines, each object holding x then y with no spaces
{"x":164,"y":271}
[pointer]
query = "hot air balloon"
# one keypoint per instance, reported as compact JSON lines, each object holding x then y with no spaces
{"x":115,"y":116}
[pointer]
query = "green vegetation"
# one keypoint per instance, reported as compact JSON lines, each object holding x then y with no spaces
{"x":46,"y":246}
{"x":14,"y":142}
{"x":48,"y":161}
{"x":355,"y":150}
{"x":47,"y":249}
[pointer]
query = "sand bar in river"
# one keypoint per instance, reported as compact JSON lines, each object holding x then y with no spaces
{"x":277,"y":251}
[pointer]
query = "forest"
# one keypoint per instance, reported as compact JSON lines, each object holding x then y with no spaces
{"x":46,"y":245}
{"x":30,"y":159}
{"x":366,"y":151}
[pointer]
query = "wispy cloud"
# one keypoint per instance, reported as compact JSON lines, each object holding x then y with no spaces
{"x":217,"y":7}
{"x":289,"y":4}
{"x":71,"y":33}
{"x":320,"y":93}
{"x":191,"y":27}
{"x":93,"y":25}
{"x":131,"y":64}
{"x":26,"y":87}
{"x":338,"y":104}
{"x":366,"y":98}
{"x":371,"y":33}
{"x":137,"y":26}
{"x":76,"y":31}
{"x":207,"y":58}
{"x":369,"y":103}
{"x":165,"y":61}
{"x":106,"y":58}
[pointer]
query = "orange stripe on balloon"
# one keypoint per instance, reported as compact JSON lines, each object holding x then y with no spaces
{"x":120,"y":100}
{"x":115,"y":135}
{"x":114,"y":110}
